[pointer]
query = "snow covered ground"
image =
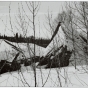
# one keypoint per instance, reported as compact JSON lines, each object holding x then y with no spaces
{"x":68,"y":76}
{"x":8,"y":53}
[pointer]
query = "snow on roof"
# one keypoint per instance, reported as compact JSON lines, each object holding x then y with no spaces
{"x":8,"y":52}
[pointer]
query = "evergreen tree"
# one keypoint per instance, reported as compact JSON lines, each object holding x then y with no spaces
{"x":16,"y":35}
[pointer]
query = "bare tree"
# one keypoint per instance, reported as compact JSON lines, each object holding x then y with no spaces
{"x":80,"y":15}
{"x":33,"y":8}
{"x":25,"y":22}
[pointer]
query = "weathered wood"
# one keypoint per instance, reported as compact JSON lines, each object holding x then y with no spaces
{"x":6,"y":66}
{"x":59,"y":60}
{"x":15,"y":57}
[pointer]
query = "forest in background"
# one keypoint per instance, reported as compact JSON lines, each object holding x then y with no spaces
{"x":19,"y":39}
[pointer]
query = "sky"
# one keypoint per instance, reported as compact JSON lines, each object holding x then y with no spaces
{"x":9,"y":27}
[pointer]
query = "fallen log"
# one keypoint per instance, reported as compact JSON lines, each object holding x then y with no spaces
{"x":6,"y":66}
{"x":60,"y":59}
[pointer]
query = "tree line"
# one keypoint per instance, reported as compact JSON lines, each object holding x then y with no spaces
{"x":20,"y":39}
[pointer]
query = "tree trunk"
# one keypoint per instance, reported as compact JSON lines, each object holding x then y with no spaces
{"x":87,"y":39}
